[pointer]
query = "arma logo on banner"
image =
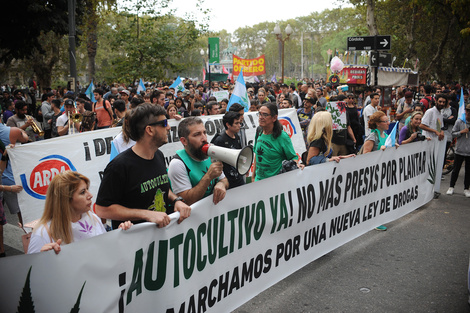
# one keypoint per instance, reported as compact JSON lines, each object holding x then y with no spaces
{"x":43,"y":173}
{"x":288,"y":126}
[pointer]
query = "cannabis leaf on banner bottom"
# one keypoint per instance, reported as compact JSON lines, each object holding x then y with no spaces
{"x":432,"y":168}
{"x":26,"y":304}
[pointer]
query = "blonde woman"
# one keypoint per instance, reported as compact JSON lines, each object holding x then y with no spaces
{"x":320,"y":132}
{"x":67,"y":215}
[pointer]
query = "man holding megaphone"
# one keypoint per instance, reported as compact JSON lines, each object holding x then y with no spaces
{"x":192,"y":174}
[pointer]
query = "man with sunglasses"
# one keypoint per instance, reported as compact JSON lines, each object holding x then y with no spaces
{"x":135,"y":183}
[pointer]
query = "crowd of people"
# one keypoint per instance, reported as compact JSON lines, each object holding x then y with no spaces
{"x":136,"y":183}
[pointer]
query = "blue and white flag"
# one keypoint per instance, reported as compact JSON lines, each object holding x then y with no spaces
{"x":89,"y":92}
{"x":462,"y":107}
{"x":178,"y":85}
{"x":391,"y":139}
{"x":141,"y":86}
{"x":273,"y":79}
{"x":239,"y":94}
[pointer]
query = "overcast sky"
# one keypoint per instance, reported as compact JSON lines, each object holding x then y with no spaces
{"x":231,"y":15}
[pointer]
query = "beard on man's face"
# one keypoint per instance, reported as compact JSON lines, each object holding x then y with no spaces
{"x":197,"y":152}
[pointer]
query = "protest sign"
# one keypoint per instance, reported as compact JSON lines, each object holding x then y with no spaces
{"x":251,"y":67}
{"x":220,"y":95}
{"x":225,"y":254}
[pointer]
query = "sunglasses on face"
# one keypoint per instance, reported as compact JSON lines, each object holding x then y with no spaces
{"x":163,"y":123}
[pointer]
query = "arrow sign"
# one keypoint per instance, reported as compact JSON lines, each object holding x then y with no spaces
{"x":369,"y":43}
{"x":381,"y":59}
{"x":384,"y":43}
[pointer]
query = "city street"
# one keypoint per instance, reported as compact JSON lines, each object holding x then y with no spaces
{"x":419,"y":264}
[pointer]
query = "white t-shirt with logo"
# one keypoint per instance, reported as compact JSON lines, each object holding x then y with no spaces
{"x":87,"y":227}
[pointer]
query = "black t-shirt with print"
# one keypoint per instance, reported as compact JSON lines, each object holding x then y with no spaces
{"x":135,"y":183}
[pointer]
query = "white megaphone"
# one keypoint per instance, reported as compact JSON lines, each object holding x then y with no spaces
{"x":240,"y":159}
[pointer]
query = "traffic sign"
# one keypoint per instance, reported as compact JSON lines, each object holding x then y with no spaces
{"x":383,"y":42}
{"x":370,"y":43}
{"x":381,"y":59}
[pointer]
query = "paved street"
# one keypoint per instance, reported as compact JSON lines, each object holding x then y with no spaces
{"x":418,"y":265}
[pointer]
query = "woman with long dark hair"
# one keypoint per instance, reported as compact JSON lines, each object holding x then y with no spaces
{"x":353,"y":116}
{"x":272,"y":144}
{"x":181,"y":107}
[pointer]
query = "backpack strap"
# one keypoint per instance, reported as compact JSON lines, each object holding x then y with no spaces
{"x":179,"y":158}
{"x":259,"y":130}
{"x":105,"y":103}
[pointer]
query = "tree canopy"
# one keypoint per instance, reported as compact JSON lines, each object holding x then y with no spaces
{"x":143,"y":38}
{"x":24,"y":21}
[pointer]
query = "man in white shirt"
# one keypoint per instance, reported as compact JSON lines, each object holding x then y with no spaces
{"x":63,"y":125}
{"x":432,"y":121}
{"x":369,"y":110}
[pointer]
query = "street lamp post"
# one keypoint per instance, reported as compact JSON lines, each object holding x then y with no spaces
{"x":72,"y":58}
{"x":277,"y":32}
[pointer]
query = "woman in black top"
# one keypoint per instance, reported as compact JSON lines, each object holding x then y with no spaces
{"x":354,"y":122}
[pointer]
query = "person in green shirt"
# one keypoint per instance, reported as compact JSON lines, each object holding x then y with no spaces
{"x":272,"y":145}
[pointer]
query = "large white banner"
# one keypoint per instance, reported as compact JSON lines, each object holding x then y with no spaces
{"x":35,"y":164}
{"x":225,"y":254}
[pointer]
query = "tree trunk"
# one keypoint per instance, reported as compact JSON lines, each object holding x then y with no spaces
{"x":411,"y":35}
{"x":371,"y":24}
{"x":43,"y":63}
{"x":91,"y":39}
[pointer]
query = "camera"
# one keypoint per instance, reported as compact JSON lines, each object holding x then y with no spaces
{"x":420,"y":137}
